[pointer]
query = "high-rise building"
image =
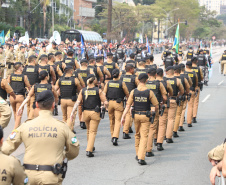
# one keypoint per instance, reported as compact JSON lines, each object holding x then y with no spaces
{"x":213,"y":5}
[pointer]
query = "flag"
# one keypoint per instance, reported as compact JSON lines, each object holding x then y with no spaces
{"x":7,"y":36}
{"x":82,"y":46}
{"x":147,"y":45}
{"x":2,"y":38}
{"x":200,"y":44}
{"x":176,"y":40}
{"x":123,"y":40}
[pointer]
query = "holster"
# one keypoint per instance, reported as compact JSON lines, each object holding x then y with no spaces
{"x":97,"y":109}
{"x":133,"y":112}
{"x":119,"y":100}
{"x":102,"y":113}
{"x":74,"y":98}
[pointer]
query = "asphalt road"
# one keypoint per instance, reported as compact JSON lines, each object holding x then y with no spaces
{"x":183,"y":162}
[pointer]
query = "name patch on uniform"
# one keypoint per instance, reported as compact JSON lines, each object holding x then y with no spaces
{"x":67,"y":61}
{"x":115,"y":85}
{"x":190,"y":75}
{"x":13,"y":134}
{"x":44,"y":69}
{"x":109,"y":66}
{"x":41,"y":89}
{"x":84,"y":75}
{"x":139,"y":72}
{"x":196,"y":70}
{"x":151,"y":86}
{"x":65,"y":82}
{"x":189,"y":53}
{"x":16,"y":78}
{"x":171,"y":82}
{"x":30,"y":70}
{"x":126,"y":79}
{"x":44,"y":131}
{"x":90,"y":92}
{"x":74,"y":140}
{"x":141,"y":99}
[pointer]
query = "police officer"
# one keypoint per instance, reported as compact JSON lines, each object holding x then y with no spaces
{"x":131,"y":82}
{"x":32,"y":50}
{"x":70,"y":61}
{"x":122,"y":55}
{"x":202,"y":63}
{"x":69,"y":86}
{"x":47,"y":143}
{"x":199,"y":74}
{"x":42,"y":51}
{"x":194,"y":78}
{"x":115,"y":91}
{"x":10,"y":59}
{"x":175,"y":56}
{"x":160,"y":92}
{"x":141,"y":68}
{"x":2,"y":61}
{"x":115,"y":55}
{"x":164,"y":53}
{"x":161,"y":130}
{"x":132,"y":60}
{"x":168,"y":60}
{"x":18,"y":82}
{"x":59,"y":61}
{"x":139,"y":55}
{"x":53,"y":49}
{"x":35,"y":90}
{"x":92,"y":97}
{"x":180,"y":54}
{"x":43,"y":65}
{"x":56,"y":68}
{"x":223,"y":63}
{"x":142,"y":98}
{"x":21,"y":56}
{"x":5,"y":111}
{"x":96,"y":70}
{"x":189,"y":54}
{"x":110,"y":65}
{"x":11,"y":170}
{"x":150,"y":62}
{"x":32,"y":72}
{"x":178,"y":90}
{"x":181,"y":99}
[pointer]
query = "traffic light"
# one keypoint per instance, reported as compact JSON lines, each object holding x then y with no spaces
{"x":186,"y":23}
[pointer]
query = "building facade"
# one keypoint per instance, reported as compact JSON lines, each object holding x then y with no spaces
{"x":213,"y":5}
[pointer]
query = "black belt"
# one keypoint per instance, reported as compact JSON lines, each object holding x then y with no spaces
{"x":113,"y":99}
{"x":38,"y":167}
{"x":173,"y":98}
{"x":140,"y":113}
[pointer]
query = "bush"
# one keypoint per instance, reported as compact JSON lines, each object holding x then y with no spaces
{"x":4,"y":26}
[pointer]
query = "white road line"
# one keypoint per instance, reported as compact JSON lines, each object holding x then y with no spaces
{"x":206,"y":98}
{"x":221,"y":82}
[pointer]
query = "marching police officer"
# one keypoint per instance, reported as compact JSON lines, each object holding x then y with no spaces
{"x":150,"y":62}
{"x":21,"y":56}
{"x":141,"y":68}
{"x":132,"y":60}
{"x":11,"y":170}
{"x":47,"y":143}
{"x":180,"y":54}
{"x":115,"y":91}
{"x":142,"y":98}
{"x":139,"y":55}
{"x":189,"y":54}
{"x":10,"y":59}
{"x":122,"y":55}
{"x":69,"y":86}
{"x":92,"y":97}
{"x":70,"y":60}
{"x":175,"y":56}
{"x":223,"y":63}
{"x":115,"y":55}
{"x":18,"y":82}
{"x":96,"y":70}
{"x":202,"y":63}
{"x":42,"y":51}
{"x":53,"y":49}
{"x":164,"y":53}
{"x":131,"y":82}
{"x":59,"y":61}
{"x":168,"y":60}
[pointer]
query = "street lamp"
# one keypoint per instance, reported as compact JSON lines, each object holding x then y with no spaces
{"x":86,"y":17}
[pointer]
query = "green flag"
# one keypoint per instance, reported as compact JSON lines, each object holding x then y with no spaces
{"x":177,"y":39}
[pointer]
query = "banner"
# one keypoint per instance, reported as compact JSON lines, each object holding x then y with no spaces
{"x":177,"y":39}
{"x":82,"y":46}
{"x":7,"y":36}
{"x":2,"y":38}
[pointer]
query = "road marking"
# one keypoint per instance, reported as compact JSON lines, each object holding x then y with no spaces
{"x":206,"y":98}
{"x":221,"y":82}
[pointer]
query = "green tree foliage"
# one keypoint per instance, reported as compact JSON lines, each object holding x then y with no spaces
{"x":222,"y":17}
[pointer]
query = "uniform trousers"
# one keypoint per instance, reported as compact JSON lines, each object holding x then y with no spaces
{"x":183,"y":113}
{"x":67,"y":107}
{"x":142,"y":124}
{"x":178,"y":116}
{"x":162,"y":126}
{"x":171,"y":119}
{"x":115,"y":111}
{"x":43,"y":178}
{"x":128,"y":122}
{"x":5,"y":113}
{"x":205,"y":72}
{"x":16,"y":105}
{"x":92,"y":120}
{"x":223,"y":67}
{"x":196,"y":103}
{"x":190,"y":107}
{"x":152,"y":130}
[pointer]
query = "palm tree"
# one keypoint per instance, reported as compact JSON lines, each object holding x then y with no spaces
{"x":44,"y":5}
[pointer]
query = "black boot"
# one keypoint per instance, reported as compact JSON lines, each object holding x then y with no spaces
{"x":149,"y":154}
{"x":181,"y":129}
{"x":142,"y":162}
{"x":94,"y":149}
{"x":89,"y":154}
{"x":155,"y":142}
{"x":56,"y":110}
{"x":194,"y":120}
{"x":130,"y":130}
{"x":126,"y":136}
{"x":169,"y":140}
{"x":82,"y":125}
{"x":115,"y":141}
{"x":59,"y":101}
{"x":136,"y":158}
{"x":159,"y":147}
{"x":175,"y":134}
{"x":189,"y":125}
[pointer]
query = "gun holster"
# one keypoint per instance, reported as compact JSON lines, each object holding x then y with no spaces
{"x":102,"y":113}
{"x":133,"y":112}
{"x":57,"y":169}
{"x":119,"y":100}
{"x":97,"y":109}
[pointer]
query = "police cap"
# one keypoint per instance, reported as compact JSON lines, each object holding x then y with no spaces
{"x":143,"y":76}
{"x":58,"y":53}
{"x":1,"y":132}
{"x":70,"y":51}
{"x":189,"y":63}
{"x":151,"y":70}
{"x":109,"y":54}
{"x":43,"y":56}
{"x":83,"y":60}
{"x":90,"y":76}
{"x":169,"y":68}
{"x":159,"y":70}
{"x":45,"y":96}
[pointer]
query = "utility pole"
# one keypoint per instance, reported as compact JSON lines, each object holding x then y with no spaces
{"x":158,"y":29}
{"x":29,"y":17}
{"x":109,"y":21}
{"x":52,"y":16}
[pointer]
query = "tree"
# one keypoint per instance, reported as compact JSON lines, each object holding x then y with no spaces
{"x":44,"y":5}
{"x":222,"y":17}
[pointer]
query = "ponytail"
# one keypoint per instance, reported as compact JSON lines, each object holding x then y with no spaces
{"x":89,"y":81}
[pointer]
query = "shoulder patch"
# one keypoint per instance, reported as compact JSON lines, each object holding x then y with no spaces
{"x":25,"y":180}
{"x":74,"y":140}
{"x":13,"y":134}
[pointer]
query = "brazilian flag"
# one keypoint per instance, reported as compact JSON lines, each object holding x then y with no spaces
{"x":177,"y":39}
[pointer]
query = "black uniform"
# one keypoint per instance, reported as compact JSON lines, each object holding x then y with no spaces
{"x":201,"y":60}
{"x":70,"y":62}
{"x":115,"y":90}
{"x":190,"y":55}
{"x":68,"y":88}
{"x":3,"y":92}
{"x":129,"y":81}
{"x":173,"y":82}
{"x":180,"y":53}
{"x":120,"y":53}
{"x":94,"y":70}
{"x":93,"y":99}
{"x":139,"y":71}
{"x":32,"y":73}
{"x":151,"y":66}
{"x":17,"y":83}
{"x":169,"y":61}
{"x":115,"y":57}
{"x":155,"y":87}
{"x":174,"y":54}
{"x":82,"y":73}
{"x":192,"y":75}
{"x":110,"y":67}
{"x":46,"y":68}
{"x":60,"y":64}
{"x":143,"y":105}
